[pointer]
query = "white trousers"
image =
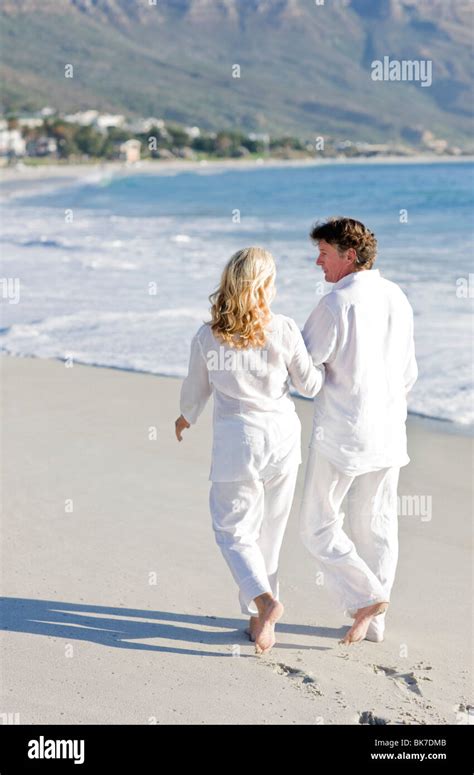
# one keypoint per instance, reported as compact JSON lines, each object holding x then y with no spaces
{"x":360,"y":572}
{"x":249,"y":520}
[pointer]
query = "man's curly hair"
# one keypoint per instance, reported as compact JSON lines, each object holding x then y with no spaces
{"x":345,"y":233}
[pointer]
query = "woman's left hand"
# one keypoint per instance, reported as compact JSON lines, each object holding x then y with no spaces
{"x":179,"y":426}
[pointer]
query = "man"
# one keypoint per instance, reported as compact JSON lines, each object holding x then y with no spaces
{"x":362,"y":331}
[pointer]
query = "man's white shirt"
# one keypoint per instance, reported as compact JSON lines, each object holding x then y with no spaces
{"x":362,"y":331}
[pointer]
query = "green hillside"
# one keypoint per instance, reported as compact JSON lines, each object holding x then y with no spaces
{"x":305,"y":69}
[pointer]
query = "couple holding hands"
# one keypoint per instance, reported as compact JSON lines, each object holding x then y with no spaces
{"x":356,"y":358}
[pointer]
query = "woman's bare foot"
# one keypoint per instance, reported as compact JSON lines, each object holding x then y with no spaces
{"x":250,"y":631}
{"x":362,"y":620}
{"x":269,"y":611}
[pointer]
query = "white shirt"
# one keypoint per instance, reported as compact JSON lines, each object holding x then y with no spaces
{"x":255,"y":425}
{"x":362,"y":331}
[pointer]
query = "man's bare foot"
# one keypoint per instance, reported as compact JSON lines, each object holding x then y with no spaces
{"x":250,"y":630}
{"x":269,"y":611}
{"x":362,"y":620}
{"x":376,"y":629}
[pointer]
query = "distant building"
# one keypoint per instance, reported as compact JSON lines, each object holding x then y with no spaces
{"x":130,"y":151}
{"x":102,"y":121}
{"x":437,"y":145}
{"x":31,"y":122}
{"x":192,"y":131}
{"x":12,"y":143}
{"x":364,"y":149}
{"x":105,"y":121}
{"x":142,"y":125}
{"x":42,"y":146}
{"x":372,"y":149}
{"x":83,"y":117}
{"x":261,"y":137}
{"x":426,"y":139}
{"x":46,"y":112}
{"x":343,"y":145}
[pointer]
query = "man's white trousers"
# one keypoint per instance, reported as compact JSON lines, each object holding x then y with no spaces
{"x":361,"y":571}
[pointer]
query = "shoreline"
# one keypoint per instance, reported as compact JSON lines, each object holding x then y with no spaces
{"x":74,"y":170}
{"x":18,"y":194}
{"x":429,"y":423}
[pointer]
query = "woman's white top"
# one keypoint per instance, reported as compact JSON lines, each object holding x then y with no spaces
{"x":256,"y":431}
{"x":362,"y":331}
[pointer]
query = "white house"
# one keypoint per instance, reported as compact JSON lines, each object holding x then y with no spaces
{"x":130,"y":151}
{"x":106,"y":120}
{"x":140,"y":125}
{"x":83,"y":117}
{"x":12,"y":142}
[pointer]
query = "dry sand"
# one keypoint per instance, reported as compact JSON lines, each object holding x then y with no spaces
{"x":118,"y":607}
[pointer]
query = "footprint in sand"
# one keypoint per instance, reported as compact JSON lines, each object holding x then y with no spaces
{"x":406,"y":680}
{"x":310,"y":684}
{"x":464,"y":714}
{"x":367,"y":717}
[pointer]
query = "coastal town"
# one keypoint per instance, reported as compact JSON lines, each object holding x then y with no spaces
{"x":47,"y":136}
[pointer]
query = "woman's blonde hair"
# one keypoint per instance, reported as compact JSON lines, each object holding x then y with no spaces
{"x":241,"y":305}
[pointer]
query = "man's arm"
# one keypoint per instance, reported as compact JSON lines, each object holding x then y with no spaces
{"x":320,"y":334}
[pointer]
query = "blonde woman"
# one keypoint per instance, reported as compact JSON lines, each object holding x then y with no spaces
{"x":245,"y":356}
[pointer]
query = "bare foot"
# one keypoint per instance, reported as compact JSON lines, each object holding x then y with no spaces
{"x":269,"y":611}
{"x":250,"y":630}
{"x":376,"y":628}
{"x":362,"y":620}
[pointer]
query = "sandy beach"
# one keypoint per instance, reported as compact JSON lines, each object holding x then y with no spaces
{"x":117,"y":606}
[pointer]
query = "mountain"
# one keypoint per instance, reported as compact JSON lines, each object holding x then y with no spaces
{"x":305,"y":68}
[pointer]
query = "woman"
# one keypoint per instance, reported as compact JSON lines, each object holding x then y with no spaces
{"x":245,"y":356}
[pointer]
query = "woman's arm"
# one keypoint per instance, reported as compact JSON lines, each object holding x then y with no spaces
{"x":320,"y":334}
{"x":195,"y":390}
{"x":411,"y":370}
{"x":305,"y":376}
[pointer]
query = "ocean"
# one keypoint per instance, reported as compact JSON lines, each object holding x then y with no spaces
{"x":116,"y":269}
